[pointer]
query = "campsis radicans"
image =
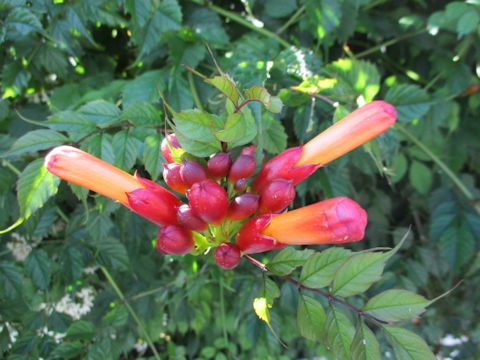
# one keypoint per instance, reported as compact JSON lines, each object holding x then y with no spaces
{"x":222,"y":197}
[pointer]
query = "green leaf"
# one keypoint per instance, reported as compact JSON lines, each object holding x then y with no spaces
{"x":339,"y":332}
{"x":457,"y":246}
{"x":144,"y":88}
{"x":112,"y":254}
{"x":227,"y":86}
{"x":36,"y":140}
{"x":100,"y":145}
{"x":365,"y":345}
{"x":269,"y":290}
{"x":360,"y":271}
{"x":280,"y":8}
{"x":141,"y":113}
{"x":197,"y":125}
{"x":411,"y":102}
{"x":152,"y":156}
{"x":208,"y":26}
{"x":116,"y":317}
{"x":72,"y":263}
{"x":125,"y":150}
{"x":399,"y":167}
{"x":233,"y":130}
{"x":468,"y":22}
{"x":11,"y":278}
{"x":259,"y":93}
{"x":274,"y":135}
{"x":197,"y":148}
{"x":103,"y":113}
{"x":396,"y":305}
{"x":68,"y":350}
{"x":420,"y":177}
{"x":37,"y":266}
{"x":354,"y":78}
{"x":287,"y":260}
{"x":72,"y":122}
{"x":406,"y":344}
{"x":310,"y":318}
{"x":35,"y":186}
{"x":81,"y":330}
{"x":320,"y":268}
{"x":167,"y":17}
{"x":23,"y":20}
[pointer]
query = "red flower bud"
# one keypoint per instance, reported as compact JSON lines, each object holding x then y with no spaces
{"x":219,"y":164}
{"x":242,"y":167}
{"x":227,"y":256}
{"x":171,"y":175}
{"x":240,"y":185}
{"x":249,"y":150}
{"x":209,"y":201}
{"x":192,"y":172}
{"x":154,"y":203}
{"x":283,"y":166}
{"x":276,"y":196}
{"x":243,"y":206}
{"x":332,"y":221}
{"x":174,"y":240}
{"x":167,"y":142}
{"x":188,"y":219}
{"x":250,"y":240}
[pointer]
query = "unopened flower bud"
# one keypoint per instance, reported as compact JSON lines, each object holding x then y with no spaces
{"x":188,"y":219}
{"x":243,"y":206}
{"x":227,"y":256}
{"x":240,"y":185}
{"x":175,"y":240}
{"x":171,"y":175}
{"x":219,"y":164}
{"x":249,"y":150}
{"x":192,"y":172}
{"x":276,"y":196}
{"x":242,"y":168}
{"x":167,"y":142}
{"x":209,"y":201}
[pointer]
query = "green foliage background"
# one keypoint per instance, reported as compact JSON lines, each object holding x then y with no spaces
{"x":88,"y":73}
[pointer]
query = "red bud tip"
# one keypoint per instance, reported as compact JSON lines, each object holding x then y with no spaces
{"x":242,"y":207}
{"x":219,"y":165}
{"x":174,"y":240}
{"x":188,"y":219}
{"x":240,"y":185}
{"x":242,"y":168}
{"x":227,"y":256}
{"x":332,"y":221}
{"x":283,"y":166}
{"x":249,"y":150}
{"x":165,"y":148}
{"x":192,"y":172}
{"x":209,"y":201}
{"x":276,"y":196}
{"x":250,"y":240}
{"x":171,"y":175}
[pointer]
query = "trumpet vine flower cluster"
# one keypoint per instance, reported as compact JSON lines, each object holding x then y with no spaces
{"x":225,"y":207}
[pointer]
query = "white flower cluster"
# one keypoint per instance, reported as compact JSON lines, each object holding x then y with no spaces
{"x":80,"y":305}
{"x":20,"y":247}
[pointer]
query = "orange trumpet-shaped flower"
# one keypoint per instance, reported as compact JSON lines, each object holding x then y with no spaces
{"x":332,"y":221}
{"x":142,"y":196}
{"x":350,"y":132}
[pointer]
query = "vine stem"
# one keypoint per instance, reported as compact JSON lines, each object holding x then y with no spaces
{"x":454,"y":178}
{"x":112,"y":282}
{"x":242,"y":21}
{"x":329,"y":297}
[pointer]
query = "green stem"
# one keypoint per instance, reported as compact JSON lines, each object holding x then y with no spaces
{"x":456,"y":181}
{"x":9,"y":165}
{"x":222,"y":311}
{"x":132,"y":312}
{"x":390,"y":42}
{"x":292,"y":20}
{"x":242,"y":21}
{"x":193,"y":89}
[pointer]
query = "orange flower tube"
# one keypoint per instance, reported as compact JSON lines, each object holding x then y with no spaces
{"x":81,"y":168}
{"x":333,"y":221}
{"x":142,"y":196}
{"x":355,"y":129}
